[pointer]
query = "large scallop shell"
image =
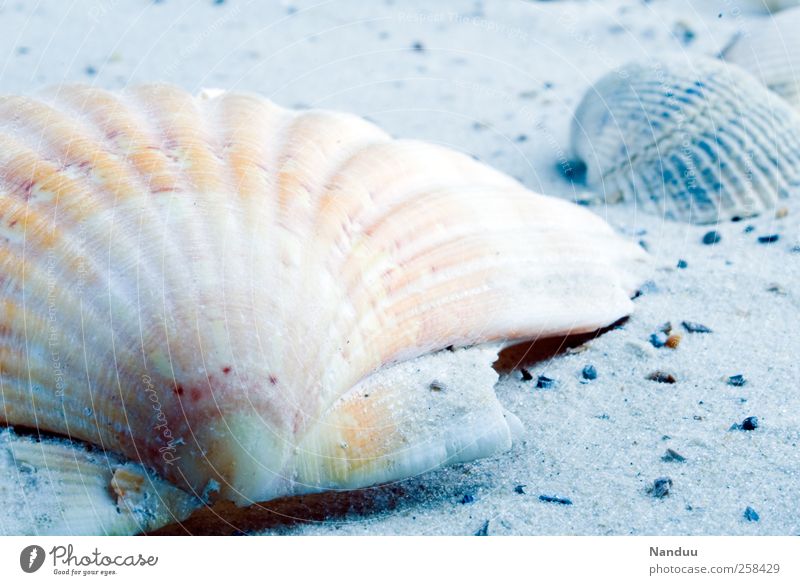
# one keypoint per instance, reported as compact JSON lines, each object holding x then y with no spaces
{"x":218,"y":288}
{"x":771,"y":52}
{"x":698,"y":142}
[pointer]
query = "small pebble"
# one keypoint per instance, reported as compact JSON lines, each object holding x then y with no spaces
{"x":483,"y":530}
{"x":661,"y":487}
{"x":781,"y":213}
{"x":750,"y":423}
{"x":672,"y":455}
{"x":662,"y":377}
{"x":545,"y":383}
{"x":683,"y":32}
{"x":665,"y":328}
{"x":467,"y":499}
{"x":520,"y":489}
{"x":91,"y":71}
{"x":658,"y":339}
{"x":711,"y":238}
{"x":770,"y":239}
{"x":777,"y":289}
{"x":418,"y":47}
{"x":555,"y":500}
{"x":673,"y":341}
{"x":751,"y":515}
{"x":526,"y":375}
{"x":737,"y":380}
{"x":575,"y":171}
{"x":589,"y":372}
{"x":749,"y":229}
{"x":692,"y":327}
{"x":682,"y":264}
{"x":437,"y":386}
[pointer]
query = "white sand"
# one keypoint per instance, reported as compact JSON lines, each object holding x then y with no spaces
{"x":499,"y":79}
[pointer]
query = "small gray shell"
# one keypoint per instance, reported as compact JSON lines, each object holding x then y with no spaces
{"x":771,"y":52}
{"x":699,"y":142}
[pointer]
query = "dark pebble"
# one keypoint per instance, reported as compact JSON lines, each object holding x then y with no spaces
{"x":770,"y":239}
{"x":521,"y":138}
{"x":750,"y":423}
{"x":545,"y":383}
{"x":91,"y":71}
{"x":555,"y":500}
{"x":658,"y":340}
{"x":483,"y":530}
{"x":672,"y":455}
{"x":526,"y":375}
{"x":682,"y":264}
{"x":661,"y":487}
{"x":437,"y":386}
{"x":750,"y":228}
{"x":574,"y":170}
{"x":751,"y":515}
{"x":692,"y":327}
{"x":520,"y":489}
{"x":661,"y":377}
{"x":589,"y":372}
{"x":467,"y":499}
{"x":418,"y":47}
{"x":737,"y":380}
{"x":683,"y":33}
{"x":711,"y":238}
{"x":665,"y":328}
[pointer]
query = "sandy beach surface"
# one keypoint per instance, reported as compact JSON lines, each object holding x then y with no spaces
{"x":500,"y":80}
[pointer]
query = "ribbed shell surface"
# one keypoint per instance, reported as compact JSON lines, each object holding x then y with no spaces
{"x":199,"y":284}
{"x":770,"y":51}
{"x":699,"y":142}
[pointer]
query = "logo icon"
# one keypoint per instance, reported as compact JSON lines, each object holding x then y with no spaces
{"x":31,"y":558}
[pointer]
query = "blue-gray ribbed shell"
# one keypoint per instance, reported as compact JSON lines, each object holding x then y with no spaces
{"x":700,"y":141}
